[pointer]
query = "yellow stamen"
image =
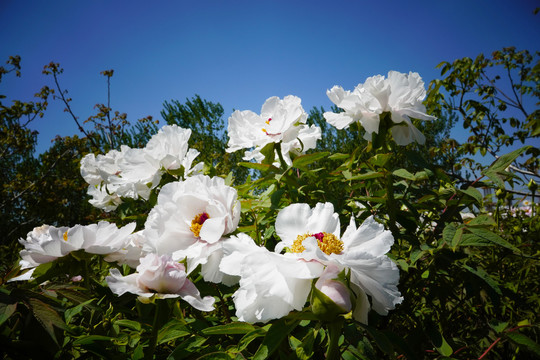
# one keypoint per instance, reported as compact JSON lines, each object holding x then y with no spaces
{"x":65,"y":236}
{"x":197,"y":223}
{"x":328,"y":243}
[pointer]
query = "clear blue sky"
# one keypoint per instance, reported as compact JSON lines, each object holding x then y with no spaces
{"x":239,"y":53}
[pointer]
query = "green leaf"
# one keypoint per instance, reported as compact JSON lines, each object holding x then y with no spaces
{"x":269,"y":153}
{"x":474,"y":194}
{"x":498,"y":326}
{"x":187,"y":348}
{"x":228,"y":329}
{"x":6,"y":310}
{"x":47,"y":317}
{"x":260,"y":167}
{"x":172,"y":330}
{"x":381,"y":340}
{"x":276,"y":334}
{"x":130,"y":324}
{"x":249,"y":337}
{"x":302,"y":161}
{"x":473,"y":240}
{"x":482,"y":220}
{"x":481,"y":273}
{"x":69,"y":313}
{"x":448,"y":232}
{"x":497,"y":170}
{"x":338,"y":156}
{"x":380,"y":160}
{"x":366,"y":176}
{"x":438,"y":340}
{"x":404,"y":174}
{"x":491,"y":237}
{"x":85,"y":340}
{"x":521,"y":339}
{"x":216,"y":355}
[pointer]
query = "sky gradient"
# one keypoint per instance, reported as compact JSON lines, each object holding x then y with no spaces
{"x":239,"y":53}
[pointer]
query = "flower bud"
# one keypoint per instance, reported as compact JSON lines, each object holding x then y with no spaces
{"x":330,"y":297}
{"x":532,"y":185}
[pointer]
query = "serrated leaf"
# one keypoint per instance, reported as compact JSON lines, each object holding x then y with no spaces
{"x":521,"y":339}
{"x":229,"y":329}
{"x":302,"y":161}
{"x":47,"y":317}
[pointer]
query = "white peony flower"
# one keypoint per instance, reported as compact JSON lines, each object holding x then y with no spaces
{"x":189,"y":220}
{"x":159,"y":277}
{"x":131,"y":253}
{"x":271,"y":284}
{"x":399,"y":94}
{"x":313,"y":235}
{"x":133,"y":173}
{"x":281,"y":121}
{"x":48,"y":243}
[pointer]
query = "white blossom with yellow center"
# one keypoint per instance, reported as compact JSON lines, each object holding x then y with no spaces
{"x":281,"y":121}
{"x":189,"y":220}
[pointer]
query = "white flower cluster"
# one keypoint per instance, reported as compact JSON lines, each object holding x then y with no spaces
{"x":273,"y":284}
{"x":194,"y":222}
{"x":133,"y":173}
{"x":399,"y":94}
{"x":281,"y":121}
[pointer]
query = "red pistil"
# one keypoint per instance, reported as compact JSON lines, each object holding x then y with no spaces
{"x":319,"y":236}
{"x":204,"y":216}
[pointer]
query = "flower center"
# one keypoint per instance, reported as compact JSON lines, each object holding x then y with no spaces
{"x":197,"y":223}
{"x":328,"y":243}
{"x":65,"y":236}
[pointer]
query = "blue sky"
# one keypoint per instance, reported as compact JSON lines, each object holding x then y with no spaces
{"x":239,"y":53}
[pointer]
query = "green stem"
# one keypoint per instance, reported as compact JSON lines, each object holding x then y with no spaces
{"x":334,"y":332}
{"x":280,"y":156}
{"x":391,"y":205}
{"x":155,"y":327}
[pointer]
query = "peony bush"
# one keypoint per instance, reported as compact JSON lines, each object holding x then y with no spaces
{"x":316,"y":255}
